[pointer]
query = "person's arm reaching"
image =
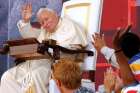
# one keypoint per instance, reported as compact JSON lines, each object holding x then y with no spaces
{"x":100,"y":45}
{"x":125,"y":71}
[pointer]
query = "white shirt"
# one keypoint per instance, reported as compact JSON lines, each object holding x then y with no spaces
{"x":110,"y":56}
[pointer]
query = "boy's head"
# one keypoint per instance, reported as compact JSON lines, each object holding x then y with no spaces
{"x":67,"y":74}
{"x":130,"y":44}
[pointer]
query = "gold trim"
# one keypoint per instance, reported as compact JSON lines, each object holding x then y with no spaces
{"x":77,"y":5}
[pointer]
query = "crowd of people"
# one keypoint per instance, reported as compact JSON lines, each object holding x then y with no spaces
{"x":126,"y":51}
{"x":65,"y":75}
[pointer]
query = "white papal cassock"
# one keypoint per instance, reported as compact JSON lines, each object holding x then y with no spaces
{"x":33,"y":76}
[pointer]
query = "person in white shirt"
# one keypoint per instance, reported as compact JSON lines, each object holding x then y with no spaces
{"x":73,"y":35}
{"x":100,"y":44}
{"x":33,"y":76}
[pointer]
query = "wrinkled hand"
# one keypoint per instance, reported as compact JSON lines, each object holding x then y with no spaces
{"x":99,"y":41}
{"x":26,"y":12}
{"x":118,"y":35}
{"x":109,"y":80}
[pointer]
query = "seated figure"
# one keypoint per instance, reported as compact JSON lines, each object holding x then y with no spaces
{"x":33,"y":76}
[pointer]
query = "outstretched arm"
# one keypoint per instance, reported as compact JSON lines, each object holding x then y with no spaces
{"x":122,"y":60}
{"x":100,"y":45}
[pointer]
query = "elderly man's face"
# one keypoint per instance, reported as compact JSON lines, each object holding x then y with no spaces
{"x":48,"y":20}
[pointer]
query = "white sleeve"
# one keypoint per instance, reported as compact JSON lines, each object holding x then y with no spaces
{"x":110,"y":56}
{"x":76,"y":34}
{"x":26,"y":30}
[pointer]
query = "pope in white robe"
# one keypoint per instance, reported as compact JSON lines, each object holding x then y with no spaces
{"x":33,"y":76}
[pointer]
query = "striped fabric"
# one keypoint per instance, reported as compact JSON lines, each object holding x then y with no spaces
{"x":134,"y":64}
{"x":131,"y":89}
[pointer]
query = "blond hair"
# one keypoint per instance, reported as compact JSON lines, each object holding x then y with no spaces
{"x":68,"y":73}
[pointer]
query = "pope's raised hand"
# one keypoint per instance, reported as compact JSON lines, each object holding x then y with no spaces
{"x":26,"y":12}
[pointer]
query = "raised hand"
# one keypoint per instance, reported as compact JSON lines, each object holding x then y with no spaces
{"x":109,"y":80}
{"x":26,"y":12}
{"x":118,"y":35}
{"x":99,"y":41}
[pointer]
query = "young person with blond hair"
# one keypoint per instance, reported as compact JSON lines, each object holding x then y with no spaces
{"x":67,"y":75}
